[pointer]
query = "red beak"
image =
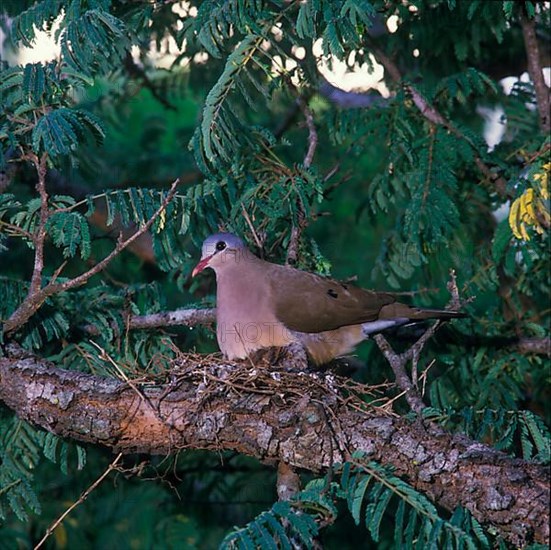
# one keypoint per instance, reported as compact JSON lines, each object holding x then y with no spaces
{"x":201,"y":265}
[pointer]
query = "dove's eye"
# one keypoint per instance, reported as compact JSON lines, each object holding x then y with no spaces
{"x":220,"y":245}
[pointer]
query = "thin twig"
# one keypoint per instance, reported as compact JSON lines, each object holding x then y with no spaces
{"x":11,"y":229}
{"x":40,"y":235}
{"x":431,"y":113}
{"x":81,"y":499}
{"x":312,"y":134}
{"x":398,"y":361}
{"x":136,"y":71}
{"x":121,"y":244}
{"x":296,"y":231}
{"x":424,"y":374}
{"x":251,"y":227}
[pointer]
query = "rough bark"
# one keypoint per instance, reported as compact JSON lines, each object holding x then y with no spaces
{"x":303,"y":419}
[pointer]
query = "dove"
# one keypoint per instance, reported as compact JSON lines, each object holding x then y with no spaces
{"x":260,"y":305}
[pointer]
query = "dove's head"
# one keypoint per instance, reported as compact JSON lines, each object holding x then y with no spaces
{"x":220,"y":249}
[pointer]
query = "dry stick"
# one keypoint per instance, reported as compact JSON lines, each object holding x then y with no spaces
{"x":433,"y":115}
{"x":81,"y":499}
{"x":36,"y":296}
{"x":398,"y":361}
{"x":121,"y":244}
{"x":535,"y":70}
{"x":292,"y":250}
{"x":251,"y":227}
{"x":398,"y":365}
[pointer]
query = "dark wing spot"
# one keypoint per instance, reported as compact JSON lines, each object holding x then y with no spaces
{"x":332,"y":293}
{"x":344,"y":286}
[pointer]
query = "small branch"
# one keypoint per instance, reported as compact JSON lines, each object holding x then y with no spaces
{"x":398,"y":365}
{"x":179,"y":317}
{"x":81,"y":499}
{"x":398,"y":361}
{"x":434,"y":116}
{"x":121,"y":244}
{"x":455,"y":301}
{"x":292,"y":250}
{"x":427,"y":110}
{"x":35,"y":299}
{"x":40,"y":235}
{"x":312,"y":134}
{"x":535,"y":70}
{"x":256,"y":238}
{"x":296,"y":230}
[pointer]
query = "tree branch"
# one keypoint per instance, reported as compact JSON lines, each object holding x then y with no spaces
{"x":179,"y":317}
{"x":190,"y":317}
{"x":312,"y":134}
{"x":81,"y":499}
{"x":398,"y":362}
{"x":433,"y":115}
{"x":275,"y":416}
{"x":138,"y":72}
{"x":37,"y":296}
{"x":535,"y":70}
{"x":296,"y":230}
{"x":40,"y":236}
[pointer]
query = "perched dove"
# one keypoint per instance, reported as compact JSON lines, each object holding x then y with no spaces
{"x":261,"y":304}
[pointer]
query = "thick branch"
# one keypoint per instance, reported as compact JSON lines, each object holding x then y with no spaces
{"x":535,"y":71}
{"x":312,"y":134}
{"x":300,"y":419}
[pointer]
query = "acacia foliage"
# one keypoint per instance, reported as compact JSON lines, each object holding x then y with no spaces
{"x":401,"y":178}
